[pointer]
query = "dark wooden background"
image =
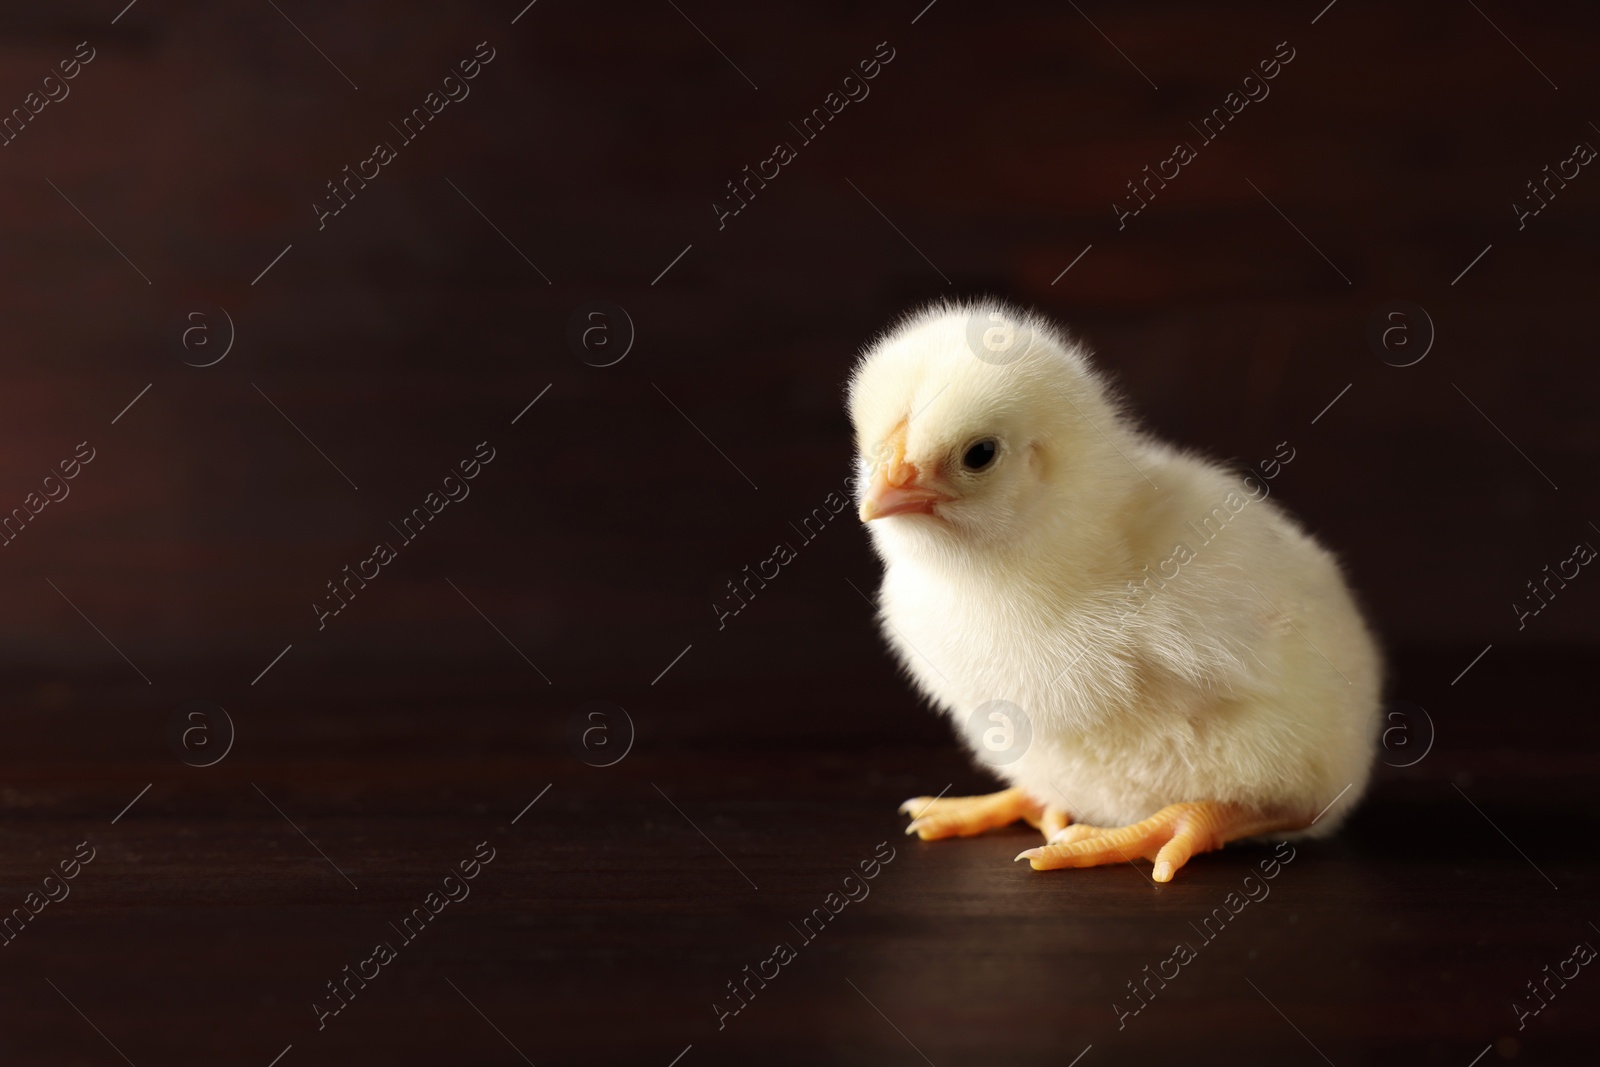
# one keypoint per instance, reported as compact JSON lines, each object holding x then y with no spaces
{"x":427,"y":315}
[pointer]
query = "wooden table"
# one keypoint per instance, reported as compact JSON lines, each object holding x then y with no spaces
{"x":618,"y":907}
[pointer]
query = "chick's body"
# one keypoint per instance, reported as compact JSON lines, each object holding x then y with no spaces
{"x":1170,"y":635}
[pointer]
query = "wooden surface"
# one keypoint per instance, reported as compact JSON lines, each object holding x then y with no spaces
{"x":619,"y":905}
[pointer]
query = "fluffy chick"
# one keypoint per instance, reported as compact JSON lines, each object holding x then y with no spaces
{"x":1154,"y":656}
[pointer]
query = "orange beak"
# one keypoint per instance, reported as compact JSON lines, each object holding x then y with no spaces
{"x":895,"y":489}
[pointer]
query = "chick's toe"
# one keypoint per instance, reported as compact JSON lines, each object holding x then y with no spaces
{"x":936,"y":817}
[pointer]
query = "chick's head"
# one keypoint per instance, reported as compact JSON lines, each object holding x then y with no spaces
{"x":979,"y":426}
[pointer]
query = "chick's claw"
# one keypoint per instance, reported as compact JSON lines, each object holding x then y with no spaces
{"x":936,"y":817}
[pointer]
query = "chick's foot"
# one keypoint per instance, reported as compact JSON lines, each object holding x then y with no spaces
{"x":1169,"y":838}
{"x":936,"y":817}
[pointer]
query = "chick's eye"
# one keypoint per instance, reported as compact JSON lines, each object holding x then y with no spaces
{"x":980,"y":455}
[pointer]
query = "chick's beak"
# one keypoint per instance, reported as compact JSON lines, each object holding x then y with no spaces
{"x":895,"y":490}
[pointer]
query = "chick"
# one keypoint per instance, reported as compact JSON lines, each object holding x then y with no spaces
{"x":1155,"y":657}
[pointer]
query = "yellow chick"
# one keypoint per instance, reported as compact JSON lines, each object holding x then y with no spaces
{"x":1154,"y":656}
